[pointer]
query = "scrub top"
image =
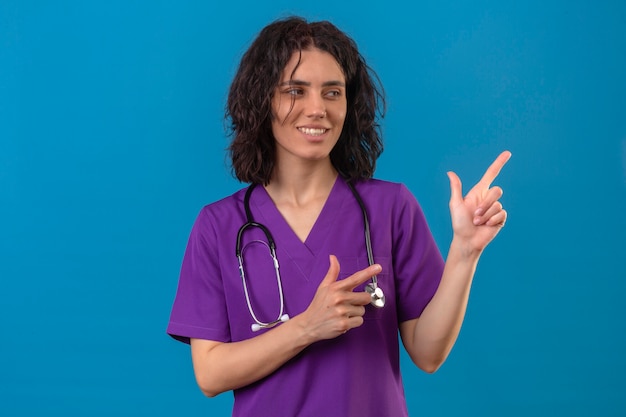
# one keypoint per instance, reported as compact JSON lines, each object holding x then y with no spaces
{"x":357,"y":373}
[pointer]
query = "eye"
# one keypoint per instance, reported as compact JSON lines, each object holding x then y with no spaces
{"x":334,"y":93}
{"x":294,"y":91}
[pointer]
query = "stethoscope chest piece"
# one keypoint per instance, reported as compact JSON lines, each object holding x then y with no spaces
{"x":372,"y":288}
{"x":378,"y":297}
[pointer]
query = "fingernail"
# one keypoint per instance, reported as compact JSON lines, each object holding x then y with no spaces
{"x":478,"y":211}
{"x":476,"y":221}
{"x":378,"y":268}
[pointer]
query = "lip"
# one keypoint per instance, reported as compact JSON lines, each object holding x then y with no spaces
{"x":313,"y":132}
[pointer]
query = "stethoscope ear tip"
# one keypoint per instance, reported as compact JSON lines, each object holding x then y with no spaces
{"x":258,"y":326}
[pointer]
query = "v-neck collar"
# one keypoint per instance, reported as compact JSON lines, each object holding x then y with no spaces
{"x":304,"y":254}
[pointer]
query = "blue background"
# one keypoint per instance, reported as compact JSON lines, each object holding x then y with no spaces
{"x":112,"y":138}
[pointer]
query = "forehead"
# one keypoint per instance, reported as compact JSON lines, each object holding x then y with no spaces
{"x":311,"y":64}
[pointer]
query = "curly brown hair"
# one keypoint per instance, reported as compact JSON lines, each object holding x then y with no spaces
{"x":249,"y":109}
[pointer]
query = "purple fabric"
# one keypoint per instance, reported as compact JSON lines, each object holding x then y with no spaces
{"x":355,"y":374}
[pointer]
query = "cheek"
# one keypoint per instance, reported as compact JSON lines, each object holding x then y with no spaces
{"x":276,"y":107}
{"x":341,"y":116}
{"x":283,"y":110}
{"x":340,"y":110}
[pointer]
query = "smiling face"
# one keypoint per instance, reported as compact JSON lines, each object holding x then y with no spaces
{"x":308,"y":108}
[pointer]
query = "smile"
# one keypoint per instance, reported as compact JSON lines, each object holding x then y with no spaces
{"x":312,"y":132}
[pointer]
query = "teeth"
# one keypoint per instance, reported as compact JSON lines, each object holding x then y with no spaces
{"x":312,"y":132}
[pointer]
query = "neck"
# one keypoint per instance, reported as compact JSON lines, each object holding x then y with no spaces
{"x":300,"y":185}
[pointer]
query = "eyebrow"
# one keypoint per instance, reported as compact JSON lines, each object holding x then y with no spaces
{"x":308,"y":84}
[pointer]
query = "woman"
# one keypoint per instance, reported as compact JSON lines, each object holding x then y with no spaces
{"x":307,"y":335}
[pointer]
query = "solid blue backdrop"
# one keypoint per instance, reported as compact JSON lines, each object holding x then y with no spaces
{"x":112,"y":138}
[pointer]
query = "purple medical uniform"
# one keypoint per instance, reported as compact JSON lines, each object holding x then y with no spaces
{"x":356,"y":374}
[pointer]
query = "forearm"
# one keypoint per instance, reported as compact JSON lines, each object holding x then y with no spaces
{"x":221,"y":367}
{"x":334,"y":310}
{"x":430,"y":338}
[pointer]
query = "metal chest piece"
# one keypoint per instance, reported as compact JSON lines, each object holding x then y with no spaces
{"x":378,"y":297}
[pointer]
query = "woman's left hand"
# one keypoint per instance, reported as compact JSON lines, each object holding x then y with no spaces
{"x":478,"y":217}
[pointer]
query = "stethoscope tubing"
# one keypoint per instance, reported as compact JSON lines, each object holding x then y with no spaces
{"x":378,"y":298}
{"x":366,"y":228}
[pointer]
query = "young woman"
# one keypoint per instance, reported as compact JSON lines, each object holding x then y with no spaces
{"x":313,"y":331}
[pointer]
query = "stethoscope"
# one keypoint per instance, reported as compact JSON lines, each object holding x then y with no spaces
{"x":372,"y":288}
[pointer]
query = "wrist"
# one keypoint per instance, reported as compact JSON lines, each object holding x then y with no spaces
{"x":304,"y":337}
{"x":463,"y":251}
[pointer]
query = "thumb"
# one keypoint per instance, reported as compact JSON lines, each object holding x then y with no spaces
{"x":456,"y":188}
{"x":333,"y":271}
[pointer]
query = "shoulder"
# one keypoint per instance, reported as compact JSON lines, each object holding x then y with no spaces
{"x":389,"y":190}
{"x":225,"y":205}
{"x":390,"y":197}
{"x":222,"y":213}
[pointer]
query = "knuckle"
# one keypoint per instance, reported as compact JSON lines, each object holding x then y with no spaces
{"x":339,"y":298}
{"x":344,"y":325}
{"x":341,"y":311}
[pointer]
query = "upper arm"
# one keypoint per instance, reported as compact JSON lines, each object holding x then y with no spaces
{"x":407,"y":334}
{"x":200,"y":349}
{"x":418,"y":354}
{"x":200,"y":352}
{"x":417,"y":261}
{"x":199,"y":307}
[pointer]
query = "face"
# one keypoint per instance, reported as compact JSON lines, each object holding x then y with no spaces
{"x":309,"y":108}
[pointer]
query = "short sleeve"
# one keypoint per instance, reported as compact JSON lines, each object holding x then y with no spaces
{"x":417,"y":262}
{"x":199,"y":309}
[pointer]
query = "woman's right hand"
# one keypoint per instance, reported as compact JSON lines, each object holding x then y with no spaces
{"x":336,"y":307}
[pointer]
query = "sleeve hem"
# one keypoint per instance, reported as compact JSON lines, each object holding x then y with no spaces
{"x":184,"y":333}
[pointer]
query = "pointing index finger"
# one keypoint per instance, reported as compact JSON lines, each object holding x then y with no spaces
{"x":494,"y":169}
{"x":360,"y":277}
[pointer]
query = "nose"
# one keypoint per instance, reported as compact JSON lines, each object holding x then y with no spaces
{"x":316,"y":107}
